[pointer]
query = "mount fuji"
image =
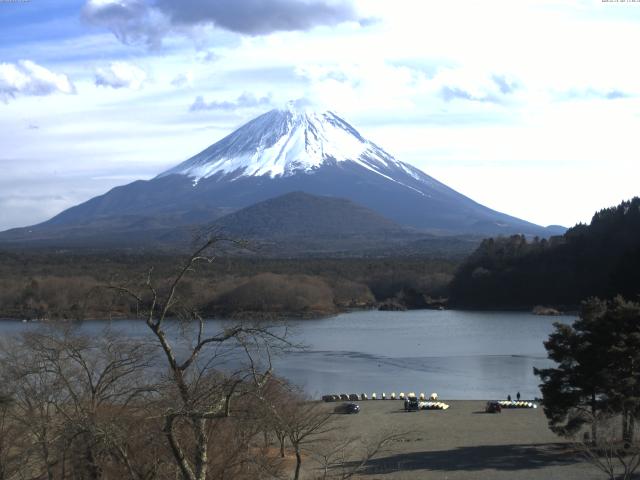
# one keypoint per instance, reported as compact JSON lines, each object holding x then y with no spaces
{"x":294,"y":149}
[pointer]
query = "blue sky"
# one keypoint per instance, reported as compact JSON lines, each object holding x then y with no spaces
{"x":530,"y":107}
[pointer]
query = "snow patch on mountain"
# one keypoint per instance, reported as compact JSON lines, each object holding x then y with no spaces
{"x":289,"y":141}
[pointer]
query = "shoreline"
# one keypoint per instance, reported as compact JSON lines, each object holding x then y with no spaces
{"x":537,"y":401}
{"x":296,"y":316}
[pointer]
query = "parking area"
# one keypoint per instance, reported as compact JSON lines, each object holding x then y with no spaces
{"x":464,"y":443}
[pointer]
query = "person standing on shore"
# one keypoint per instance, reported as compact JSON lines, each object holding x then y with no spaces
{"x":509,"y":398}
{"x":518,"y":396}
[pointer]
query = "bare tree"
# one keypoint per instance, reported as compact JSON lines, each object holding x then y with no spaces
{"x":238,"y":451}
{"x":72,"y":394}
{"x":35,"y":396}
{"x":105,"y":383}
{"x":11,"y":440}
{"x":275,"y":401}
{"x":96,"y":407}
{"x":309,"y":428}
{"x":198,"y":391}
{"x":306,"y":425}
{"x":342,"y":459}
{"x":610,"y":453}
{"x":291,"y":417}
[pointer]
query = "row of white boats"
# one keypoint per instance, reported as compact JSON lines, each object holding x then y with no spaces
{"x":516,"y":404}
{"x":431,"y":403}
{"x":354,"y":397}
{"x":433,"y":406}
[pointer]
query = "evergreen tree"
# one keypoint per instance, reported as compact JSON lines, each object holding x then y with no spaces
{"x":598,"y":363}
{"x":574,"y":391}
{"x":623,"y":321}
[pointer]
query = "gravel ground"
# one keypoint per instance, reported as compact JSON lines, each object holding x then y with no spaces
{"x":465,"y":443}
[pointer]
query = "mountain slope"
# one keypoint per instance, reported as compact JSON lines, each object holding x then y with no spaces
{"x":279,"y":152}
{"x":301,"y":214}
{"x":300,"y":224}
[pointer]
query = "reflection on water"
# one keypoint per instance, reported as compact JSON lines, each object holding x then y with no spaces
{"x":459,"y":355}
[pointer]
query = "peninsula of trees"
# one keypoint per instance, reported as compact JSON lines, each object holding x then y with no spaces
{"x":597,"y":260}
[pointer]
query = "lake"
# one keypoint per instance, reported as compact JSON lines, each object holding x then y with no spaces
{"x":458,"y":354}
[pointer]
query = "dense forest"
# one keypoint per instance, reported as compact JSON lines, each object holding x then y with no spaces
{"x":63,"y":285}
{"x":601,"y":259}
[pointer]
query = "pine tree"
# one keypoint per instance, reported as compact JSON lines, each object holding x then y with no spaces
{"x":598,"y":368}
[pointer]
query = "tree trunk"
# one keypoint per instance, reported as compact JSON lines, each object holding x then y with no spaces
{"x":63,"y":467}
{"x":176,"y":449}
{"x":298,"y":463}
{"x":202,"y":445}
{"x":628,"y":424}
{"x":45,"y":455}
{"x":594,"y":426}
{"x":92,"y":468}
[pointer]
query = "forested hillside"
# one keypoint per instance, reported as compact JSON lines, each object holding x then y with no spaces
{"x":601,"y":259}
{"x":59,"y":285}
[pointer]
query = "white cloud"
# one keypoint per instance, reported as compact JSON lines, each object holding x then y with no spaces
{"x":245,"y":100}
{"x":30,"y":79}
{"x":208,"y":56}
{"x":121,"y":75}
{"x":183,"y":79}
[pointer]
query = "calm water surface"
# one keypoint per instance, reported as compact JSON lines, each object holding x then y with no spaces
{"x":459,"y":355}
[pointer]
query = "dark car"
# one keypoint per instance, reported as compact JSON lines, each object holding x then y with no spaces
{"x":493,"y":407}
{"x":347,"y":408}
{"x":411,"y":404}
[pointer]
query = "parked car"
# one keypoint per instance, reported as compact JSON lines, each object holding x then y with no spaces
{"x":411,"y":404}
{"x":493,"y":407}
{"x":347,"y":408}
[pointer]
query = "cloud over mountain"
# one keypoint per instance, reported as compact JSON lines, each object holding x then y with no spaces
{"x":246,"y":100}
{"x":28,"y":78}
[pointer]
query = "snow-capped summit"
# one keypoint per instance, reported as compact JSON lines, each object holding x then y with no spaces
{"x":283,"y":142}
